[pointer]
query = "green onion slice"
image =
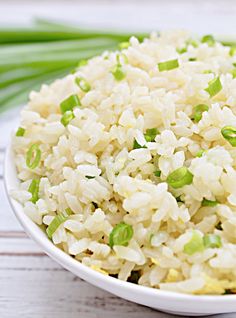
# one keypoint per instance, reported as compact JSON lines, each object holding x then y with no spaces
{"x":69,"y":103}
{"x":34,"y":190}
{"x":33,"y":156}
{"x":233,"y":72}
{"x":206,"y":202}
{"x":82,"y":63}
{"x":124,"y":45}
{"x":83,"y":84}
{"x":20,"y":132}
{"x":232,"y":50}
{"x":194,"y":245}
{"x":90,"y":177}
{"x":56,"y":222}
{"x":212,"y":241}
{"x":121,"y":234}
{"x":229,"y":133}
{"x":214,"y":87}
{"x":200,"y":153}
{"x":67,"y":117}
{"x":168,"y":65}
{"x":179,"y":178}
{"x":192,"y":59}
{"x":118,"y":73}
{"x":181,"y":50}
{"x":192,"y":42}
{"x":68,"y":211}
{"x":136,"y":145}
{"x":157,"y":173}
{"x":209,"y":39}
{"x":198,"y":110}
{"x":150,"y":134}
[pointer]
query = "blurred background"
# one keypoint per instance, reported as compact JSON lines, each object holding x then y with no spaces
{"x":24,"y":49}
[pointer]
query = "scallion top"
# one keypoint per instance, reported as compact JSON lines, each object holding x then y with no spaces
{"x":209,"y":39}
{"x":229,"y":134}
{"x":69,"y":103}
{"x":118,"y":73}
{"x":83,"y":84}
{"x":121,"y":234}
{"x":20,"y":132}
{"x":67,"y":117}
{"x":150,"y":134}
{"x":212,"y":241}
{"x":168,"y":65}
{"x":33,"y":156}
{"x":179,"y":178}
{"x":194,"y":245}
{"x":214,"y":87}
{"x":198,"y":110}
{"x":206,"y":202}
{"x":34,"y":190}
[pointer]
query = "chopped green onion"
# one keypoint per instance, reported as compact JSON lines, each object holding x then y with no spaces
{"x":56,"y":222}
{"x":90,"y":177}
{"x":68,"y":211}
{"x":150,"y":134}
{"x":192,"y":59}
{"x":194,"y":245}
{"x":212,"y":241}
{"x":207,"y":72}
{"x":232,"y":50}
{"x":157,"y":173}
{"x":198,"y":110}
{"x":67,"y":117}
{"x":209,"y":39}
{"x":118,"y":73}
{"x":214,"y":87}
{"x":34,"y":190}
{"x":200,"y":153}
{"x":206,"y":202}
{"x":181,"y":50}
{"x":69,"y":103}
{"x":83,"y":84}
{"x":20,"y":132}
{"x":179,"y":178}
{"x":136,"y":145}
{"x":121,"y":234}
{"x":82,"y":63}
{"x":168,"y":65}
{"x":124,"y":45}
{"x":192,"y":42}
{"x":33,"y":156}
{"x":233,"y":72}
{"x":229,"y":133}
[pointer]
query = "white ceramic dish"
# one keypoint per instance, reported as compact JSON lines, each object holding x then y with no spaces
{"x":162,"y":300}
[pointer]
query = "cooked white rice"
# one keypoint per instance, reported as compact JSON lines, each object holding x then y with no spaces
{"x":98,"y":143}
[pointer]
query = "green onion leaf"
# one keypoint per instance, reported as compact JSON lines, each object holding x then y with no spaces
{"x":121,"y":234}
{"x":150,"y":134}
{"x":232,"y":50}
{"x":206,"y":202}
{"x":124,"y":45}
{"x":33,"y":156}
{"x":192,"y":42}
{"x":90,"y":177}
{"x":229,"y":134}
{"x":194,"y":245}
{"x":209,"y":39}
{"x":118,"y":73}
{"x":214,"y":87}
{"x":179,"y":178}
{"x":67,"y":117}
{"x":192,"y":59}
{"x":212,"y":241}
{"x":200,"y":153}
{"x":233,"y":72}
{"x":20,"y":132}
{"x":56,"y":222}
{"x":157,"y":173}
{"x":34,"y":190}
{"x":82,"y":63}
{"x":198,"y":110}
{"x":136,"y":145}
{"x":69,"y":103}
{"x":83,"y":84}
{"x":181,"y":50}
{"x":68,"y":211}
{"x":168,"y":65}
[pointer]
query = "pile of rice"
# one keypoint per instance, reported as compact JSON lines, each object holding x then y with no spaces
{"x":92,"y":167}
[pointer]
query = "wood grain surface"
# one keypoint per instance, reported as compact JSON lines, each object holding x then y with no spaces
{"x":31,"y":284}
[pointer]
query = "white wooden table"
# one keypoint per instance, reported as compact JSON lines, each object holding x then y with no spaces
{"x":31,"y":284}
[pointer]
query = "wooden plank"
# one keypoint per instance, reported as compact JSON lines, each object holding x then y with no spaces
{"x":45,"y":291}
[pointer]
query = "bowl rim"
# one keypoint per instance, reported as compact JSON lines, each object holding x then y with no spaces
{"x":75,"y":266}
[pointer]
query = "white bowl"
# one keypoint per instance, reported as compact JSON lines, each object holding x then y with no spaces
{"x":171,"y":302}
